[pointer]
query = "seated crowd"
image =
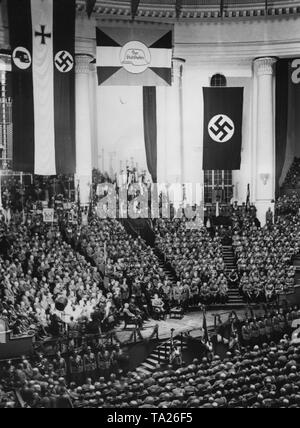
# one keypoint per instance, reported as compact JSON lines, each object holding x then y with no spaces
{"x":23,"y":192}
{"x":38,"y":268}
{"x":131,"y":271}
{"x":288,"y":204}
{"x":197,"y":260}
{"x":264,"y":257}
{"x":263,"y":372}
{"x":292,"y":179}
{"x":273,"y":325}
{"x":102,"y":276}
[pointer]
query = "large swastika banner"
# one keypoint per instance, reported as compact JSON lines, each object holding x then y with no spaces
{"x":223,"y":119}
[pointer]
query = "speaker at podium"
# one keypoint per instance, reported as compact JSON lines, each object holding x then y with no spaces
{"x":217,"y":196}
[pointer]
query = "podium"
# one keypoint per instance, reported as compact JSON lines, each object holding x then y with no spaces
{"x":217,"y":196}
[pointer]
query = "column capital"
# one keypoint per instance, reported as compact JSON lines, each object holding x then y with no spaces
{"x":264,"y":66}
{"x":82,"y":63}
{"x":93,"y":67}
{"x":178,"y":61}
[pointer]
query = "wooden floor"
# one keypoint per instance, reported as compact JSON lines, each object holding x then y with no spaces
{"x":192,"y":323}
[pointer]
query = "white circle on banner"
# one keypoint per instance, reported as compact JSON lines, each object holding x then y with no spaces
{"x":135,"y":57}
{"x":22,"y":58}
{"x":221,"y":128}
{"x":64,"y":61}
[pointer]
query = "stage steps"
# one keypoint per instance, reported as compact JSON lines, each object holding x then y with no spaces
{"x":159,"y":357}
{"x":168,"y":271}
{"x":229,"y":258}
{"x":235,"y":299}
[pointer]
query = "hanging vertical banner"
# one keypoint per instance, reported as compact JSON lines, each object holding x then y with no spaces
{"x":42,"y":37}
{"x":134,"y":56}
{"x":287,"y":116}
{"x":223,"y":119}
{"x":150,"y":129}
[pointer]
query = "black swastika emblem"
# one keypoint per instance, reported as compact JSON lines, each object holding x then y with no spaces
{"x":64,"y":61}
{"x":221,"y":128}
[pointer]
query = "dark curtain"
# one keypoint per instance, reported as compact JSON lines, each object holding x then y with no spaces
{"x":150,"y":129}
{"x":282,"y":90}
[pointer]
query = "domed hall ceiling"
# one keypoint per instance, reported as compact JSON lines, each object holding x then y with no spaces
{"x":192,"y":9}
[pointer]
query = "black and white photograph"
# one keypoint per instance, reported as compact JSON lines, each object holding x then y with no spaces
{"x":149,"y":207}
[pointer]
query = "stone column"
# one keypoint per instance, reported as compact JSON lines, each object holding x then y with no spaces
{"x":265,"y":137}
{"x":174,"y":123}
{"x":178,"y":65}
{"x":93,"y":114}
{"x":174,"y":147}
{"x":83,"y":128}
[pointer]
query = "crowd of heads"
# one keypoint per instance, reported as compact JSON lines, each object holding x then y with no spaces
{"x":38,"y":267}
{"x":264,"y":257}
{"x":25,"y":191}
{"x":292,"y":179}
{"x":260,"y":376}
{"x":48,"y":381}
{"x":131,"y":271}
{"x":288,"y":204}
{"x":102,"y":276}
{"x":196,"y":258}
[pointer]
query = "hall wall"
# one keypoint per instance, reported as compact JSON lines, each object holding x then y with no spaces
{"x":228,"y":47}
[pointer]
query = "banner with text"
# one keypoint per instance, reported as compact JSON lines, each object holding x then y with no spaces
{"x":134,"y":56}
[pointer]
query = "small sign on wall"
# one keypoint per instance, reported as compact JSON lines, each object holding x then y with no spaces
{"x":48,"y":215}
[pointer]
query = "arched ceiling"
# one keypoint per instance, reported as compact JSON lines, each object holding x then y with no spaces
{"x":192,"y":9}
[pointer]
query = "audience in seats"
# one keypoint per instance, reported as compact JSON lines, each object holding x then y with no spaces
{"x":292,"y":179}
{"x":130,"y":268}
{"x":105,"y":276}
{"x":262,"y":371}
{"x":288,"y":204}
{"x":197,"y":260}
{"x":264,"y":257}
{"x":38,"y":268}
